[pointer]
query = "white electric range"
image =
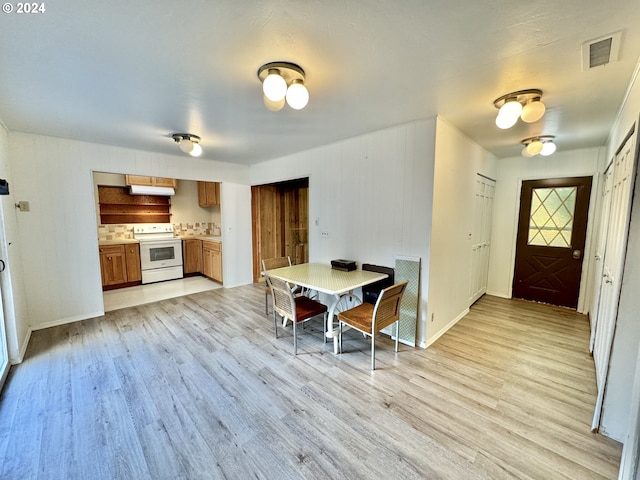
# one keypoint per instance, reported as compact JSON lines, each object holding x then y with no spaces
{"x":160,"y":252}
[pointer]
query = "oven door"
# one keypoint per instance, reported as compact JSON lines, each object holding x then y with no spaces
{"x":160,"y":254}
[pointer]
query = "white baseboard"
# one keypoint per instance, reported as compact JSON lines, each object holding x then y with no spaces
{"x":498,"y":294}
{"x":23,"y":349}
{"x":431,"y":341}
{"x":64,"y":321}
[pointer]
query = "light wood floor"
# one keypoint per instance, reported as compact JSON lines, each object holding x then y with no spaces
{"x":198,"y":387}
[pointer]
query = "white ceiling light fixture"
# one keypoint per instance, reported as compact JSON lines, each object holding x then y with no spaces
{"x":188,"y":143}
{"x":525,"y":104}
{"x":283,"y":81}
{"x":541,"y":145}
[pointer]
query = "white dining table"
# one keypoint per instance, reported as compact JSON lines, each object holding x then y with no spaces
{"x":325,"y":279}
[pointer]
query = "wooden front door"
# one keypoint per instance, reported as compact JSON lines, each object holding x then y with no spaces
{"x":551,"y":237}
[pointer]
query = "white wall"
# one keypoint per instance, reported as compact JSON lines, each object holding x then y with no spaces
{"x":457,"y":161}
{"x":372,"y":194}
{"x":185,"y":208}
{"x":60,"y":267}
{"x":510,"y":174}
{"x":237,"y":268}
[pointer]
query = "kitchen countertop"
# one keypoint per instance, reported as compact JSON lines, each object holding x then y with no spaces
{"x":207,"y":238}
{"x":120,"y":241}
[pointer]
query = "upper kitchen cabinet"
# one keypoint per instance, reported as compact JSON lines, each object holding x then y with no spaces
{"x":150,"y":181}
{"x":208,"y":194}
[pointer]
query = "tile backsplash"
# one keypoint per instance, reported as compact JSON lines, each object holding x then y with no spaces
{"x":125,"y":232}
{"x":115,"y":232}
{"x":202,"y":228}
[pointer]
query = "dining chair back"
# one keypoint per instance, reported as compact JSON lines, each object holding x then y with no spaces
{"x":297,"y":309}
{"x":270,"y":264}
{"x":371,"y":292}
{"x":370,"y":319}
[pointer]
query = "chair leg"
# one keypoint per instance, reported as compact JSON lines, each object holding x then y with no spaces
{"x":266,"y":303}
{"x":373,"y":351}
{"x":295,"y":338}
{"x":340,"y":337}
{"x":275,"y":323}
{"x":397,"y":334}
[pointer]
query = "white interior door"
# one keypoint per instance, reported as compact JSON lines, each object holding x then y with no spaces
{"x":4,"y":354}
{"x":600,"y":248}
{"x":612,"y":265}
{"x":481,"y":237}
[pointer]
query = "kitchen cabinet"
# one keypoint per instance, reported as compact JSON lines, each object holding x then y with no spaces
{"x":113,"y":266}
{"x":150,"y":181}
{"x":208,"y":194}
{"x":192,"y":255}
{"x":119,"y":265}
{"x":212,"y":260}
{"x":132,"y":259}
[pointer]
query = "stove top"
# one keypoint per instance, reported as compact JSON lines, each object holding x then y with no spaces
{"x":153,"y":231}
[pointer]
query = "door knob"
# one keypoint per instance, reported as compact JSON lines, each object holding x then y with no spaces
{"x":576,"y":254}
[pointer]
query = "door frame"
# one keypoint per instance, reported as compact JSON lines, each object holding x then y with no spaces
{"x":587,"y":265}
{"x":584,"y":185}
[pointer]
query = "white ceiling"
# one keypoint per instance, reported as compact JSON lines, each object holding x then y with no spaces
{"x":131,"y":73}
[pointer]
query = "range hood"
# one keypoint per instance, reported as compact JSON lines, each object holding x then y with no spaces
{"x":146,"y":190}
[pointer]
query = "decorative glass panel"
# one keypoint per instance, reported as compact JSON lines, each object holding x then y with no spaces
{"x":551,"y":219}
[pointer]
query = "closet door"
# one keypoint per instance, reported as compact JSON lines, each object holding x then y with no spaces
{"x":481,"y":237}
{"x":605,"y":202}
{"x":612,"y":265}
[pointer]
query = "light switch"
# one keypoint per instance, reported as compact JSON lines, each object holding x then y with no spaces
{"x":23,"y":206}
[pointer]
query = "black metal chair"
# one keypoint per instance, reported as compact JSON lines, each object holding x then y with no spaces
{"x":371,"y":292}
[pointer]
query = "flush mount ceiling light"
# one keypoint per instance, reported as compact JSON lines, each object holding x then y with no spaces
{"x":525,"y":104}
{"x":542,"y":145}
{"x":188,"y":143}
{"x":283,"y":81}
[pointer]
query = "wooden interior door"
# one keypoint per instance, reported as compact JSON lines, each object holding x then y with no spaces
{"x":551,"y":237}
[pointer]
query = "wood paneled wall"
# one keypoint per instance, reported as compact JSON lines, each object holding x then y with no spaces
{"x":280,"y":218}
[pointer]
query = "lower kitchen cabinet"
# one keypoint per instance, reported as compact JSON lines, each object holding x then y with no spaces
{"x":113,"y":265}
{"x":120,"y":265}
{"x":132,"y":258}
{"x":212,"y":260}
{"x":192,"y":256}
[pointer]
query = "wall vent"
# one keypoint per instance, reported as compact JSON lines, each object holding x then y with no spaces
{"x":600,"y":51}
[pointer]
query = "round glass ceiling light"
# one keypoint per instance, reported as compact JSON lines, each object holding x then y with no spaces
{"x":271,"y":105}
{"x":274,"y":86}
{"x":196,"y":151}
{"x":533,"y":111}
{"x":297,"y":95}
{"x":508,"y":114}
{"x":535,"y":147}
{"x":548,"y":148}
{"x":186,"y":145}
{"x":525,"y":153}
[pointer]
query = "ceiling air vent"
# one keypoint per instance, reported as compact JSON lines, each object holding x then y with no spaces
{"x":600,"y":51}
